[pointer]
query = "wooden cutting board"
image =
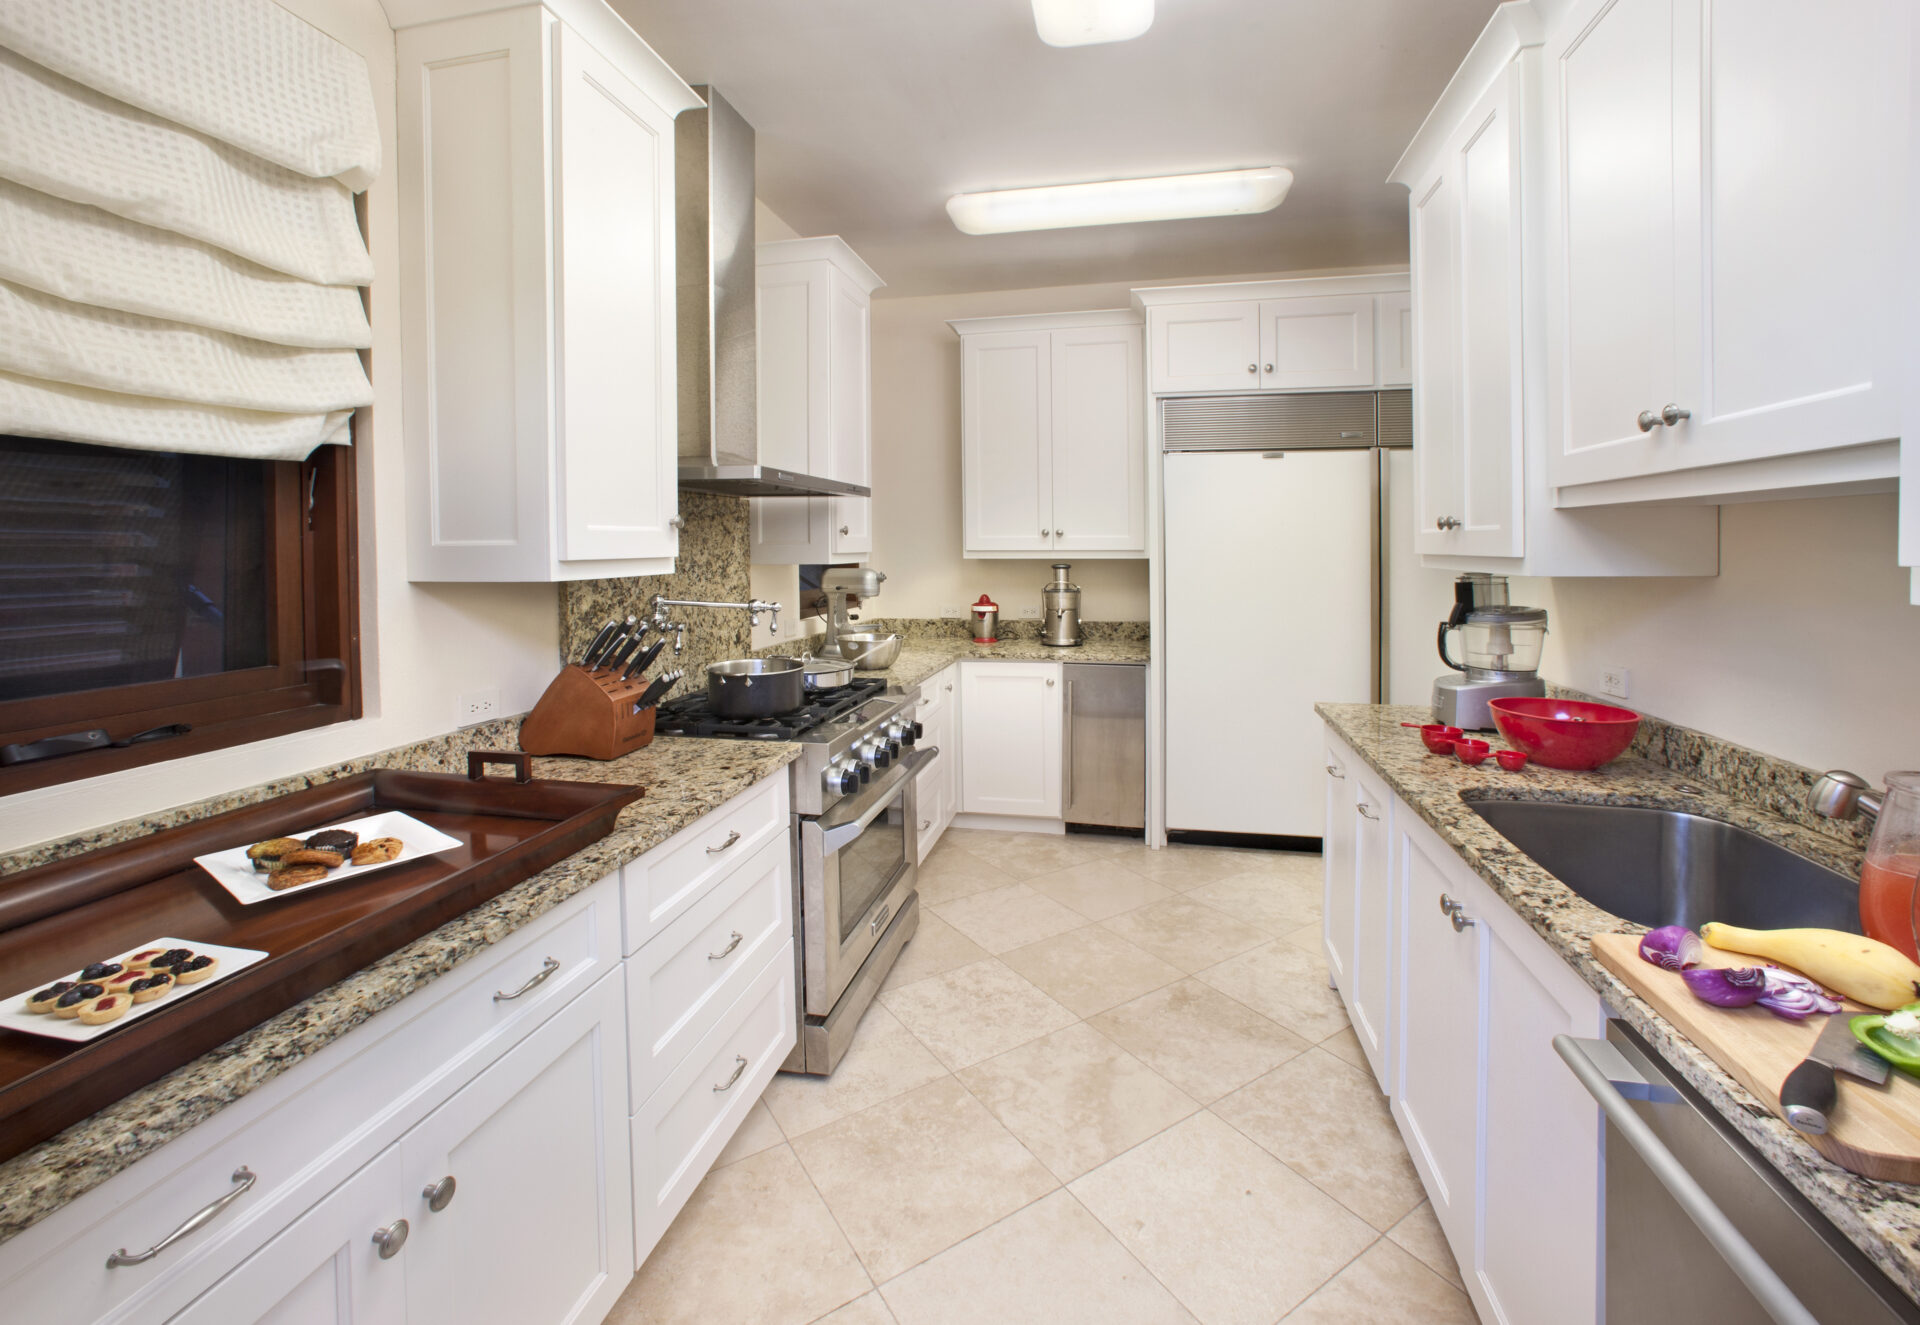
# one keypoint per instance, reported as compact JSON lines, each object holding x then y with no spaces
{"x":1875,"y":1129}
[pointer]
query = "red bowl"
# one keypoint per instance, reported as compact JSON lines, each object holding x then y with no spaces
{"x":1471,"y":751}
{"x":1439,"y":738}
{"x":1564,"y":733}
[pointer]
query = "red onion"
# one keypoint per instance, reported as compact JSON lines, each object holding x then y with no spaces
{"x":1671,"y":947}
{"x":1794,"y":996}
{"x":1727,"y":986}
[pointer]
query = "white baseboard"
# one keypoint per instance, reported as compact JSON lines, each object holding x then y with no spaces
{"x":1010,"y":823}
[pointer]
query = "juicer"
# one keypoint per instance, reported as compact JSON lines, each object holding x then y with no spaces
{"x":1500,"y":651}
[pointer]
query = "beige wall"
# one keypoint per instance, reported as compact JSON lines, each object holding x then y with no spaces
{"x":1804,"y":646}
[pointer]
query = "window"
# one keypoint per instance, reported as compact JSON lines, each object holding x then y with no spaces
{"x":199,"y":600}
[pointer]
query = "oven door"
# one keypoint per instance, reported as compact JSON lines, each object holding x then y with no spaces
{"x":856,"y":870}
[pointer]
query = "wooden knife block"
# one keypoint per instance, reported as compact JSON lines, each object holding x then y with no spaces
{"x":588,"y":713}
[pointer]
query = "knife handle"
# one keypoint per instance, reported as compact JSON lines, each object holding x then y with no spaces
{"x":1808,"y":1095}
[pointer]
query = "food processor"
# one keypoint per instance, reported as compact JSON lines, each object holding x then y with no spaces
{"x":1500,"y":652}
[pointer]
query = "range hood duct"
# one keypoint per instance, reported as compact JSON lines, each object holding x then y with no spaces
{"x":714,"y":247}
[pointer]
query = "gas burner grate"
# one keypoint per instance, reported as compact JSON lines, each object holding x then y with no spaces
{"x":693,"y":716}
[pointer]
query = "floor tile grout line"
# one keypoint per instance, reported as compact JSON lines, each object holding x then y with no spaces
{"x":1306,"y":1178}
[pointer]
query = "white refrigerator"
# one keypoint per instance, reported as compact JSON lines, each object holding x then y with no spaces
{"x":1286,"y":578}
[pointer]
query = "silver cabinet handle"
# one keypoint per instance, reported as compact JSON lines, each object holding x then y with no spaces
{"x":949,"y":687}
{"x":1453,"y":911}
{"x":1445,"y":523}
{"x":1585,"y":1057}
{"x":391,"y":1238}
{"x":739,"y":1066}
{"x":243,"y":1179}
{"x":731,"y":839}
{"x":1648,"y":420}
{"x":1672,"y":414}
{"x":547,"y":968}
{"x":1043,"y":533}
{"x":734,"y":943}
{"x":925,"y":824}
{"x":1253,"y":367}
{"x":1059,"y":533}
{"x":885,"y":914}
{"x":1067,"y":741}
{"x":844,"y":531}
{"x":1360,"y":807}
{"x":1447,"y":904}
{"x":676,"y":523}
{"x":1333,"y":770}
{"x":1269,"y":367}
{"x":1049,"y":680}
{"x":440,"y":1194}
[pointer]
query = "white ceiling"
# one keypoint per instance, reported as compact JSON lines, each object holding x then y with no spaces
{"x":871,"y":112}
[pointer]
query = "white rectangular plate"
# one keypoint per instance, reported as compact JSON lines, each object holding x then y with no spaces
{"x":15,"y":1017}
{"x":236,"y":873}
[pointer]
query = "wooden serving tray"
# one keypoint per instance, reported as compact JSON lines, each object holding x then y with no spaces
{"x":61,"y":916}
{"x":1875,"y":1129}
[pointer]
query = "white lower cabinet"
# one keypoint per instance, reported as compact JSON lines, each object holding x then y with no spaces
{"x":1505,"y":1141}
{"x":937,"y":789}
{"x":1011,"y":716}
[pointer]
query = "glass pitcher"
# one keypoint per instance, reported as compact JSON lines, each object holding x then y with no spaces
{"x":1888,"y":879}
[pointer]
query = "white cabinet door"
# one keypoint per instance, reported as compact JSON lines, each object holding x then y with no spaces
{"x":1006,"y":461}
{"x":1370,"y":1003}
{"x":1336,"y":860}
{"x":1205,"y":347}
{"x":936,"y":790}
{"x":792,"y":300}
{"x":613,"y":205}
{"x":540,"y":1221}
{"x":1612,"y":292}
{"x":1437,"y":1034}
{"x":325,"y":1268}
{"x":1316,"y":344}
{"x":849,"y":447}
{"x":1393,"y":339}
{"x":1434,"y":242}
{"x":1099,"y":441}
{"x":1011,"y":717}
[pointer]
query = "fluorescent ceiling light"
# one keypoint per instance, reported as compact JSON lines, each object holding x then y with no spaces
{"x":1114,"y":202}
{"x":1088,"y":22}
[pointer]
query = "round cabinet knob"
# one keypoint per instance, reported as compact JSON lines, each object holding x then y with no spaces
{"x":1648,"y":420}
{"x":1672,"y":414}
{"x":676,"y":523}
{"x":1049,"y":680}
{"x":1269,"y":367}
{"x":1253,"y":367}
{"x":843,"y":531}
{"x":1059,"y":533}
{"x":1043,"y":533}
{"x":1445,"y":523}
{"x":440,"y":1194}
{"x":391,"y":1238}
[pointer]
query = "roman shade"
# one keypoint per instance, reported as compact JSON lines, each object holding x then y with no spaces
{"x":180,"y":256}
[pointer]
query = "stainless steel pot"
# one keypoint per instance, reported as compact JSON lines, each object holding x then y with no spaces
{"x":826,"y":673}
{"x":869,"y":650}
{"x":756,"y":687}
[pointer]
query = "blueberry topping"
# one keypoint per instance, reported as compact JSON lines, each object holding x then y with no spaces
{"x":173,"y":957}
{"x":160,"y":981}
{"x":79,"y":994}
{"x":54,"y":990}
{"x":198,"y":963}
{"x":101,"y":970}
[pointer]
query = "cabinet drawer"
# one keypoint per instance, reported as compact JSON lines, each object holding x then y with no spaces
{"x":682,"y":982}
{"x":661,"y":884}
{"x":689,"y":1120}
{"x":305,"y":1132}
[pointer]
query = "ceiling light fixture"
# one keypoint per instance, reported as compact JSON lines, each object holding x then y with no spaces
{"x":1089,"y":22}
{"x":1117,"y":201}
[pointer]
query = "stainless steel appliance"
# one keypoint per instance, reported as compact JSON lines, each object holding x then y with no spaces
{"x":1698,"y":1222}
{"x":1501,"y":645}
{"x":1060,"y":610}
{"x":1106,"y":740}
{"x":854,"y":844}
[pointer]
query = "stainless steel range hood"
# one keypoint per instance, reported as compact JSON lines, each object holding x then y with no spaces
{"x":719,"y":426}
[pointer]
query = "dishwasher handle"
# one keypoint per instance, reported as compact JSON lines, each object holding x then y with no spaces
{"x":1601,"y":1069}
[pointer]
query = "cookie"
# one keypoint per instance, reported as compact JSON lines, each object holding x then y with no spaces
{"x":193,"y":972}
{"x":337,"y":840}
{"x":43,"y":1001}
{"x":68,"y":1005}
{"x":106,"y":1009}
{"x":264,"y":854}
{"x":378,"y":851}
{"x":333,"y":860}
{"x":292,"y":876}
{"x":149,"y":987}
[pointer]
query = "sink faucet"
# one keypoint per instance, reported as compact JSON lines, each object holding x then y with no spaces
{"x":1838,"y":794}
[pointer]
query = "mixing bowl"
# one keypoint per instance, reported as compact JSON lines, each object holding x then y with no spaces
{"x":1565,"y":733}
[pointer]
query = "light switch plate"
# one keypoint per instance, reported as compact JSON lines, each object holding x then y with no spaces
{"x":1029,"y":614}
{"x":1613,"y":681}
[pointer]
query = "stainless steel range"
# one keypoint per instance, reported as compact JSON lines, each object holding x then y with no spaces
{"x":854,"y":845}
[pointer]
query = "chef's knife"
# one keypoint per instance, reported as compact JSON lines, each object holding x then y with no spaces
{"x":651,"y":695}
{"x":620,"y":655}
{"x":1808,"y":1094}
{"x":620,"y":633}
{"x":599,"y":645}
{"x":638,"y":667}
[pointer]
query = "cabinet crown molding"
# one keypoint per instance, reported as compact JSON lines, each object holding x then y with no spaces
{"x":1294,"y":287}
{"x":824,"y":248}
{"x":1099,"y":317}
{"x":1514,"y":27}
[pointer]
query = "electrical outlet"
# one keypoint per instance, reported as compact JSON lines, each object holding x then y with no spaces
{"x":1030,"y":614}
{"x":1613,"y":681}
{"x":953,"y":613}
{"x":476,"y":706}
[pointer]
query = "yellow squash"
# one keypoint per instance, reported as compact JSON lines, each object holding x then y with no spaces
{"x":1865,"y":970}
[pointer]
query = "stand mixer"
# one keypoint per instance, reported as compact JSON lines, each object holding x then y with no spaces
{"x":1501,"y":645}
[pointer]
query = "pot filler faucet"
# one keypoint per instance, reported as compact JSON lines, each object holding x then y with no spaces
{"x":753,"y":608}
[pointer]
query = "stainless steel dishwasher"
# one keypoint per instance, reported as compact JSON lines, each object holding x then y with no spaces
{"x":1698,"y":1222}
{"x":1105,"y":770}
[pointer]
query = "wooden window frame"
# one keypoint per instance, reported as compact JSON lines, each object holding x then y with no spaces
{"x":313,"y":679}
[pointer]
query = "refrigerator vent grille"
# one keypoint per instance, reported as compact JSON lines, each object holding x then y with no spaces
{"x":1328,"y":420}
{"x":1396,"y":417}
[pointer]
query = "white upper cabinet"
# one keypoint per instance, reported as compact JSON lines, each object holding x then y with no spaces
{"x":1206,"y":347}
{"x":1305,"y":335}
{"x":1393,"y":339}
{"x":1053,"y":435}
{"x":537,"y":304}
{"x":1316,"y":344}
{"x":1726,"y":192}
{"x":815,"y":405}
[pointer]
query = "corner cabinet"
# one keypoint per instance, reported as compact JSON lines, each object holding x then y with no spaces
{"x":814,"y":300}
{"x":1053,"y":435}
{"x":536,"y":187}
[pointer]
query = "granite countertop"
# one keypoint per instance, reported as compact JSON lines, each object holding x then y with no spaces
{"x":684,"y":779}
{"x":1881,"y":1218}
{"x":921,"y":658}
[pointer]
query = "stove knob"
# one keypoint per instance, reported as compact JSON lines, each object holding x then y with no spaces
{"x":843,"y":779}
{"x":918,"y":731}
{"x":864,"y":771}
{"x":909,"y":733}
{"x":882,"y":756}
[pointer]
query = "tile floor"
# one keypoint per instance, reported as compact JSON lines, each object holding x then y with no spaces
{"x":1102,"y":1084}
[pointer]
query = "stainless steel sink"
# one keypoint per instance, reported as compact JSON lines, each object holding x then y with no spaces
{"x":1666,"y":867}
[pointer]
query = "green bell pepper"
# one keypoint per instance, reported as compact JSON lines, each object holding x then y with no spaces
{"x":1895,"y":1037}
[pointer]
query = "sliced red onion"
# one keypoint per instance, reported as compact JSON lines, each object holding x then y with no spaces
{"x":1794,"y":996}
{"x":1727,"y":986}
{"x":1671,"y":947}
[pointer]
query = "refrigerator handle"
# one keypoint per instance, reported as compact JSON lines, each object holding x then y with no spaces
{"x":1068,"y":740}
{"x":1378,"y":580}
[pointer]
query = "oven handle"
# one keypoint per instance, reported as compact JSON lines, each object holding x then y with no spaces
{"x":846,"y":821}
